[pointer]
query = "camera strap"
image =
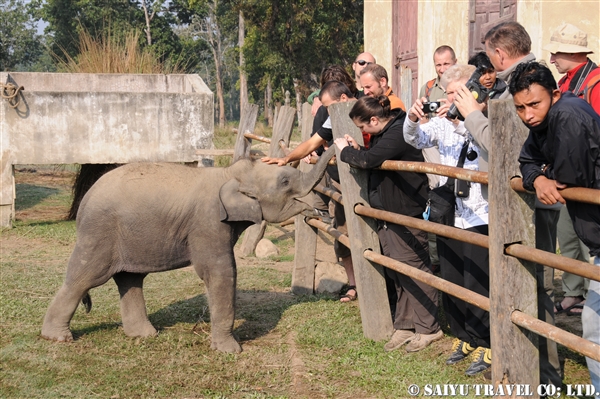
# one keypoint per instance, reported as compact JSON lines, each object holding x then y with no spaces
{"x":461,"y":161}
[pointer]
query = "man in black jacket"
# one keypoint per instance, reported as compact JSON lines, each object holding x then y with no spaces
{"x":562,"y":150}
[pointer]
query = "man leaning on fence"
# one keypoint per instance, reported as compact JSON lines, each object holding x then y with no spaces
{"x":508,"y":45}
{"x":562,"y":150}
{"x":569,"y":54}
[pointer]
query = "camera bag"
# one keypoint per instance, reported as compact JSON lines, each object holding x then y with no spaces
{"x":442,"y":199}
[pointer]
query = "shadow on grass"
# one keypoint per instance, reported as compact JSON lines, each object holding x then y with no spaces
{"x":80,"y":332}
{"x":257,"y":313}
{"x":29,"y":195}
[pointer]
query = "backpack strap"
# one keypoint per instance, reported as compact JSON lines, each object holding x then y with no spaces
{"x":430,"y":84}
{"x":587,"y":92}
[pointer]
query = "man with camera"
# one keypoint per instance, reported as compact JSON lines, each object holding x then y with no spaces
{"x":464,"y":264}
{"x":508,"y":45}
{"x":562,"y":151}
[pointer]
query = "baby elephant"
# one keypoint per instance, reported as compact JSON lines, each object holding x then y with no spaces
{"x":148,"y":217}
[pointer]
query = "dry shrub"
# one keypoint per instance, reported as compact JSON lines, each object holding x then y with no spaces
{"x":112,"y":53}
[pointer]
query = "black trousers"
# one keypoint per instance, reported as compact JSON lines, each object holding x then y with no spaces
{"x":466,"y":265}
{"x":416,"y":303}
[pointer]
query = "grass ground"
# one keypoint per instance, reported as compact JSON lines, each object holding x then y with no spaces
{"x":294,"y":347}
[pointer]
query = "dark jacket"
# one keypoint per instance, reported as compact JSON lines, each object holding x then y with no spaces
{"x":568,"y":141}
{"x":400,"y":192}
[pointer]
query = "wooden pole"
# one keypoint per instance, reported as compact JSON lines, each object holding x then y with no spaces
{"x":303,"y":275}
{"x":515,"y":355}
{"x":281,"y":131}
{"x":247,"y":123}
{"x":370,"y":280}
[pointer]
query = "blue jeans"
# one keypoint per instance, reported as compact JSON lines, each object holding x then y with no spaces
{"x":590,"y":318}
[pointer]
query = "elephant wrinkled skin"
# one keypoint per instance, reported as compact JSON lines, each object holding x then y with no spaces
{"x":148,"y":217}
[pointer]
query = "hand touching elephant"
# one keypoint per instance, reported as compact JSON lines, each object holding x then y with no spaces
{"x":147,"y":217}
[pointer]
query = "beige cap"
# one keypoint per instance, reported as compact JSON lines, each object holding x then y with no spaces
{"x":568,"y":38}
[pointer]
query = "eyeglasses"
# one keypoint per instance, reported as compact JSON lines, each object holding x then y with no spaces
{"x":362,"y":62}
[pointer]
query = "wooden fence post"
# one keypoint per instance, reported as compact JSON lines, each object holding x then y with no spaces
{"x":512,"y":281}
{"x":281,"y":131}
{"x":303,"y":275}
{"x":247,"y":123}
{"x":370,"y":280}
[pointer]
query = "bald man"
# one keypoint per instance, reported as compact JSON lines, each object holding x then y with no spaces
{"x":359,"y":64}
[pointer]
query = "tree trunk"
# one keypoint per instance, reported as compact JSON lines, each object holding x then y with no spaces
{"x":214,"y":39}
{"x":220,"y":96}
{"x":148,"y":20}
{"x":269,"y":103}
{"x":243,"y":77}
{"x":298,"y":102}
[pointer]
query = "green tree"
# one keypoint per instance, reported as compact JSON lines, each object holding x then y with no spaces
{"x":211,"y":23}
{"x":68,"y":18}
{"x":291,"y":41}
{"x":20,"y":45}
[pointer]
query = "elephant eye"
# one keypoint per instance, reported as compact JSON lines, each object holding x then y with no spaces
{"x":285,"y":181}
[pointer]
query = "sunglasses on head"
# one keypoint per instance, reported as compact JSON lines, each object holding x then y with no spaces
{"x":362,"y":62}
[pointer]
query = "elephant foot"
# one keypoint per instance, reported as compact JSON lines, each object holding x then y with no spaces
{"x":142,"y":330}
{"x":60,"y":335}
{"x":227,"y":345}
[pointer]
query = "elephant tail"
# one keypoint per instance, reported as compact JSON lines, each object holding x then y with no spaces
{"x":87,"y":302}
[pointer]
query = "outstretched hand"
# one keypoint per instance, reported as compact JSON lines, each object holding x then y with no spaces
{"x":271,"y":161}
{"x":547,"y":190}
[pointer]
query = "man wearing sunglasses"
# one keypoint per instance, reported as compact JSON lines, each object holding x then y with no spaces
{"x":359,"y":64}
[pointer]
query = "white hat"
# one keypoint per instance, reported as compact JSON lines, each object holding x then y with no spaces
{"x":568,"y":38}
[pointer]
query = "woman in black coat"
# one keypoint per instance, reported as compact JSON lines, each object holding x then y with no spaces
{"x":415,"y":318}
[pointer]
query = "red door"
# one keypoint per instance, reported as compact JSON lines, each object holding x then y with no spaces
{"x":404,"y":44}
{"x":483,"y":15}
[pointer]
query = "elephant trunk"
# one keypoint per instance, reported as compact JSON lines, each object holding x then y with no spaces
{"x":312,"y":178}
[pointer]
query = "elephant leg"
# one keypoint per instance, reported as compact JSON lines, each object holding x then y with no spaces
{"x":61,"y":311}
{"x":133,"y":306}
{"x":219,"y":275}
{"x":78,"y":282}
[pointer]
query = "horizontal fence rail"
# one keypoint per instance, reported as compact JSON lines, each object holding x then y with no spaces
{"x":521,"y":319}
{"x":517,"y":250}
{"x":580,"y":194}
{"x":256,"y":137}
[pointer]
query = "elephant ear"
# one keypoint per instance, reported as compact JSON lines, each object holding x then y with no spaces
{"x":236,"y":206}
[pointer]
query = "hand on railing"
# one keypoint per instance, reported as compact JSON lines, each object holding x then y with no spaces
{"x":547,"y":190}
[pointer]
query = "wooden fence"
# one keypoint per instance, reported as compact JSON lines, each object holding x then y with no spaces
{"x":511,"y":241}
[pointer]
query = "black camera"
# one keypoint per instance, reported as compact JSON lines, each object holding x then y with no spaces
{"x":479,"y":92}
{"x":431,"y":107}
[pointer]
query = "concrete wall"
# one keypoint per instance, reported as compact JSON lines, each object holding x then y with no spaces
{"x":102,"y":118}
{"x":378,"y":29}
